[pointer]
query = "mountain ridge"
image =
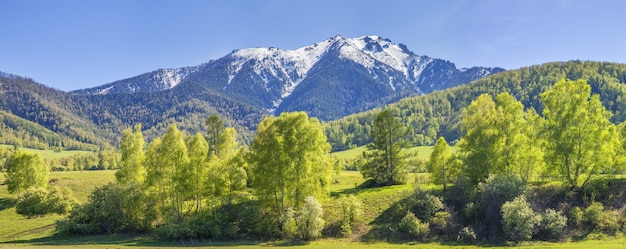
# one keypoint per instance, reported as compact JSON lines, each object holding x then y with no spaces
{"x":266,"y":76}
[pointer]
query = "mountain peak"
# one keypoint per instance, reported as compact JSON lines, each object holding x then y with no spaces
{"x":357,"y":72}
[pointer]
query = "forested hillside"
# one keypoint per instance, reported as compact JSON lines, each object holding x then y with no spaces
{"x":43,"y":117}
{"x":439,"y":113}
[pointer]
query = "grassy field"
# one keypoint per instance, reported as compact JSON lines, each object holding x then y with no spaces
{"x":19,"y":232}
{"x":419,"y":152}
{"x":16,"y":227}
{"x":50,"y":154}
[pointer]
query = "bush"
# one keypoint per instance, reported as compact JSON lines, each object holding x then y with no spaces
{"x":412,"y":226}
{"x":351,"y":212}
{"x":593,"y":214}
{"x":439,"y":223}
{"x":518,"y":219}
{"x":466,"y":235}
{"x":609,"y":223}
{"x":491,"y":195}
{"x":309,"y":219}
{"x":553,"y":223}
{"x":423,"y":204}
{"x":575,"y":217}
{"x":112,"y":208}
{"x":39,"y":201}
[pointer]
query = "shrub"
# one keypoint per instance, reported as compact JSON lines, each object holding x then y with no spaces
{"x":412,"y":226}
{"x":351,"y":212}
{"x":309,"y":219}
{"x":518,"y":219}
{"x":609,"y":222}
{"x":576,"y":216}
{"x":491,"y":196}
{"x":439,"y":223}
{"x":593,"y":214}
{"x":423,"y":204}
{"x":34,"y":203}
{"x":39,"y":201}
{"x":466,"y":235}
{"x":112,"y":208}
{"x":553,"y":223}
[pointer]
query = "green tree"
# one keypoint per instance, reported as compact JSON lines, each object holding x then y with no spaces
{"x":289,"y":160}
{"x":577,"y":130}
{"x":131,"y":168}
{"x":385,"y":158}
{"x":215,"y":128}
{"x":509,"y":124}
{"x":439,"y":163}
{"x":481,"y":139}
{"x":531,"y":142}
{"x":231,"y":166}
{"x":24,"y":170}
{"x":198,"y":150}
{"x":178,"y":175}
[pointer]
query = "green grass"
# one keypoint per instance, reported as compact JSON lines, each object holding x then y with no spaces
{"x":50,"y":154}
{"x":16,"y":227}
{"x":422,"y":152}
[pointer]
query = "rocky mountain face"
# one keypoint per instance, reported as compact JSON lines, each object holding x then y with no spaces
{"x":329,"y":79}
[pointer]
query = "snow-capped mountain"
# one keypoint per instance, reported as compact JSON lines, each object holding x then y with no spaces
{"x":328,"y":79}
{"x":158,"y":80}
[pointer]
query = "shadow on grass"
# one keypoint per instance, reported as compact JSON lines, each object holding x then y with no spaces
{"x":144,"y":241}
{"x":367,"y":186}
{"x":6,"y":203}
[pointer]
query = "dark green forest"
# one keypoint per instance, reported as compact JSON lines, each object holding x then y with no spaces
{"x":439,"y":113}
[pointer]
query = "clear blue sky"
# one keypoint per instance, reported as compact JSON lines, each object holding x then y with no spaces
{"x":77,"y":44}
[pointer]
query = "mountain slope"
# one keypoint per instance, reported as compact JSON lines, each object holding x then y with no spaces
{"x":439,"y":113}
{"x":97,"y":120}
{"x":371,"y":70}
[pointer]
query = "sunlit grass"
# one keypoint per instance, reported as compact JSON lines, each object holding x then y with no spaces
{"x":50,"y":154}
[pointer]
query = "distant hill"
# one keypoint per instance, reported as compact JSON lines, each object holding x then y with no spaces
{"x":439,"y":113}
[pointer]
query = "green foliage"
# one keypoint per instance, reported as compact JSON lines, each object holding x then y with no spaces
{"x":351,"y":214}
{"x":519,"y":220}
{"x":490,"y":197}
{"x":553,"y":224}
{"x":438,"y":114}
{"x":575,"y":216}
{"x":440,"y":165}
{"x":131,"y":168}
{"x":466,"y":235}
{"x":309,"y":220}
{"x":481,"y":139}
{"x":24,"y":170}
{"x":386,"y":163}
{"x":423,"y":204}
{"x":112,"y":208}
{"x":289,"y":160}
{"x":173,"y":161}
{"x":38,"y":201}
{"x":440,"y":222}
{"x":413,"y":226}
{"x":198,"y":150}
{"x":578,"y":132}
{"x":215,"y":128}
{"x":593,"y":214}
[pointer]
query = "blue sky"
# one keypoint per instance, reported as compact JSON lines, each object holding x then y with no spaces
{"x":77,"y":44}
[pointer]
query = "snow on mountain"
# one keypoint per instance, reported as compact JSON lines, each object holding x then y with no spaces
{"x":267,"y":77}
{"x":158,"y":80}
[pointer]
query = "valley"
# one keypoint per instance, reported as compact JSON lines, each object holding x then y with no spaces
{"x":244,"y":149}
